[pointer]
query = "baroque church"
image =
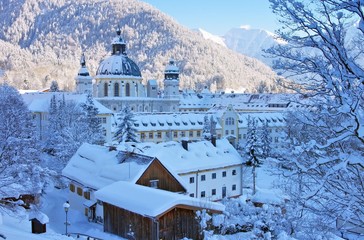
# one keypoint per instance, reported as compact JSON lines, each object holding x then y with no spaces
{"x":118,"y":83}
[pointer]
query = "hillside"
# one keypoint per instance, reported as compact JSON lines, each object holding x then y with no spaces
{"x":43,"y":41}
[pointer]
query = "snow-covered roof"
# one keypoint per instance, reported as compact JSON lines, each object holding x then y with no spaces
{"x":40,"y":101}
{"x":41,"y":217}
{"x":273,"y":119}
{"x":118,"y":65}
{"x":15,"y":190}
{"x":169,"y":121}
{"x":171,"y":67}
{"x":152,"y":82}
{"x":201,"y":155}
{"x":240,"y":102}
{"x":133,"y":198}
{"x":95,"y":167}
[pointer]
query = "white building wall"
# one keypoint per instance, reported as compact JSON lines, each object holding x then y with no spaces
{"x":198,"y":185}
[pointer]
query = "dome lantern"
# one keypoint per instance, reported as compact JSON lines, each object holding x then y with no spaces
{"x":118,"y":44}
{"x":172,"y":71}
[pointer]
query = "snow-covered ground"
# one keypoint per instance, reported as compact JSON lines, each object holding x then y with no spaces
{"x":15,"y":228}
{"x":52,"y":205}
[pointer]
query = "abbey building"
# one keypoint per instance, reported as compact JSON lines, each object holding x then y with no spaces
{"x":118,"y":83}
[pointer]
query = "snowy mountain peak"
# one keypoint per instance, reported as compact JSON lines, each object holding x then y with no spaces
{"x":251,"y":42}
{"x":209,"y":36}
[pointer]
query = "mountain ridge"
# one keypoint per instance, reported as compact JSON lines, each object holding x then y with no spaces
{"x":54,"y":33}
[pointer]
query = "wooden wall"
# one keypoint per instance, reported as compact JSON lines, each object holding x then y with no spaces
{"x":118,"y":221}
{"x":179,"y":223}
{"x":166,"y":180}
{"x":174,"y":224}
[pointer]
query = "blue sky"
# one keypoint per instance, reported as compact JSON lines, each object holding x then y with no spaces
{"x":218,"y":16}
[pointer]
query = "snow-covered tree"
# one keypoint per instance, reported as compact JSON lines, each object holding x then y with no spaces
{"x":69,"y":125}
{"x":324,"y":56}
{"x":126,"y":132}
{"x":206,"y":131}
{"x":20,"y":168}
{"x":52,"y":136}
{"x":253,"y":148}
{"x":242,"y":216}
{"x":54,"y":86}
{"x":212,"y":126}
{"x":94,"y":130}
{"x":266,"y":140}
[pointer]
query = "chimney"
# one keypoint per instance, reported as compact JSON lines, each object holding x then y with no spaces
{"x":213,"y":140}
{"x":185,"y":144}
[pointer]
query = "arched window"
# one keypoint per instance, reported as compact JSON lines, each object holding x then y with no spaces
{"x":127,"y":90}
{"x":116,"y":90}
{"x":136,"y":90}
{"x":229,"y":121}
{"x":106,"y":88}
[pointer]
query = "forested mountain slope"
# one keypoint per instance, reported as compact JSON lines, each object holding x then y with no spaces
{"x":43,"y":41}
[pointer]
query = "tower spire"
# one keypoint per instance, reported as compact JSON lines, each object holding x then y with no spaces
{"x":83,"y":60}
{"x":118,"y":44}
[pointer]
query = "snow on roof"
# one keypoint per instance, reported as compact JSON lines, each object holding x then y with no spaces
{"x":40,"y":101}
{"x":240,"y":102}
{"x":132,"y":197}
{"x":169,"y":121}
{"x":152,"y":82}
{"x":95,"y":166}
{"x":41,"y":217}
{"x":201,"y":155}
{"x":15,"y":190}
{"x":273,"y":119}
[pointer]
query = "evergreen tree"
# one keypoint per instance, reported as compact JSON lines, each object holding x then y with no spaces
{"x":54,"y":86}
{"x":93,"y":122}
{"x":253,"y":145}
{"x":52,"y":137}
{"x":126,"y":132}
{"x":253,"y":148}
{"x":19,"y":153}
{"x":206,"y":132}
{"x":265,"y":140}
{"x":212,"y":126}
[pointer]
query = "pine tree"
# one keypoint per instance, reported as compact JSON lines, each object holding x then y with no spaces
{"x":265,"y":140}
{"x":253,"y":148}
{"x":126,"y":132}
{"x":206,"y":132}
{"x":54,"y":86}
{"x":212,"y":126}
{"x":52,"y":137}
{"x":19,"y":153}
{"x":93,"y":122}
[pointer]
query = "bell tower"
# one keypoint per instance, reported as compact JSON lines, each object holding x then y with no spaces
{"x":171,"y":80}
{"x":83,"y":78}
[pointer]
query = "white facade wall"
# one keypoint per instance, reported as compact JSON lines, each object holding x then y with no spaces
{"x":136,"y":88}
{"x":171,"y":88}
{"x":83,"y":84}
{"x":77,"y":202}
{"x":224,"y":178}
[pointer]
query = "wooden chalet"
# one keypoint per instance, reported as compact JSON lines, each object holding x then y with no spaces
{"x":148,"y":213}
{"x":95,"y":167}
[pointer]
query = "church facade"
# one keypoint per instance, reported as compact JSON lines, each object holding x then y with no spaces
{"x":118,"y":83}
